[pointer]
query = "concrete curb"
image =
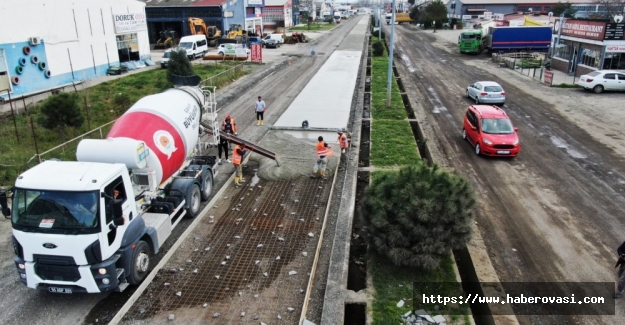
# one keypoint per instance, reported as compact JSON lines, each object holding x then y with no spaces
{"x":148,"y":280}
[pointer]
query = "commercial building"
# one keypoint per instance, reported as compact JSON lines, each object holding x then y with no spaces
{"x":65,"y":41}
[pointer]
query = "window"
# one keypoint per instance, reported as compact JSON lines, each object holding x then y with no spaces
{"x":472,"y":118}
{"x":590,"y":58}
{"x":609,"y":76}
{"x":201,"y":43}
{"x":563,"y":51}
{"x":614,"y":61}
{"x":621,"y":76}
{"x":109,"y":190}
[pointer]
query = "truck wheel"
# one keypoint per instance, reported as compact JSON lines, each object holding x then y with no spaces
{"x":207,"y":184}
{"x":140,"y":263}
{"x":194,"y":198}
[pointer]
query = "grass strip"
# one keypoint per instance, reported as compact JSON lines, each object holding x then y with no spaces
{"x":392,"y":144}
{"x":106,"y":102}
{"x":313,"y":27}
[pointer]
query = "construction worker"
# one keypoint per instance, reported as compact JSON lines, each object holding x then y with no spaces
{"x":343,"y":142}
{"x":237,"y":158}
{"x":229,"y":126}
{"x":323,"y":151}
{"x":259,"y":108}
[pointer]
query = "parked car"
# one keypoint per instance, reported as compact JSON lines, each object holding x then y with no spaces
{"x":601,"y":80}
{"x":487,"y":92}
{"x":271,"y":43}
{"x":254,"y":40}
{"x":489,"y":129}
{"x":231,"y":49}
{"x":165,"y":59}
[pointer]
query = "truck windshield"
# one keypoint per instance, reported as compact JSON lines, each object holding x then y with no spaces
{"x":468,"y":37}
{"x":56,"y":211}
{"x":186,"y":45}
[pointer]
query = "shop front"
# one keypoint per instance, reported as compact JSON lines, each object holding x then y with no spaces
{"x":582,"y":46}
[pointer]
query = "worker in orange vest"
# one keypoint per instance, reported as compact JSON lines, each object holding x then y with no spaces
{"x":237,"y":158}
{"x":343,"y":142}
{"x":323,"y":151}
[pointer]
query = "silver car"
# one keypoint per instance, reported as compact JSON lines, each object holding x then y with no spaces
{"x":486,"y":92}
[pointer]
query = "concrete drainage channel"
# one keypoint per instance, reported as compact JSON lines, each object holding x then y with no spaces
{"x":355,"y":314}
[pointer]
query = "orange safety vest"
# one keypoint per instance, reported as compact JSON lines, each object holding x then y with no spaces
{"x":322,"y":150}
{"x":343,"y":142}
{"x":234,"y":125}
{"x":236,"y":158}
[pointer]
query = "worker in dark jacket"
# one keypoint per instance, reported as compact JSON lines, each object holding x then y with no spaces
{"x":621,"y":271}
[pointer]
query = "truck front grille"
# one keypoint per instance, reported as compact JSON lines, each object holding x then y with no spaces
{"x":57,"y":268}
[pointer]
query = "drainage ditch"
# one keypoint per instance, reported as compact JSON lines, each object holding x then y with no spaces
{"x":356,"y":313}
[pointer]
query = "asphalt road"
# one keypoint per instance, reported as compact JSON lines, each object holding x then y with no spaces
{"x":552,"y":214}
{"x":286,"y":72}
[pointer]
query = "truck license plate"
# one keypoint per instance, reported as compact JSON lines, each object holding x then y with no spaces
{"x":60,"y":290}
{"x":503,"y":152}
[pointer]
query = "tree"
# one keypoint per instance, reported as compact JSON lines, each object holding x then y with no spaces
{"x":417,"y":215}
{"x":59,"y":112}
{"x":436,"y":11}
{"x":560,"y":7}
{"x":415,"y":13}
{"x":179,"y":65}
{"x":411,"y":2}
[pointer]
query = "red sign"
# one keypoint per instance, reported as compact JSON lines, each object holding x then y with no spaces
{"x":548,"y":78}
{"x":582,"y":29}
{"x":257,"y":53}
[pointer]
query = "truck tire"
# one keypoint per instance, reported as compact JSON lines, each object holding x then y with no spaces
{"x":140,"y":263}
{"x":207,"y":184}
{"x":194,"y":198}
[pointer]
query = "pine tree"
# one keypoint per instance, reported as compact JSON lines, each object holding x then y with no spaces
{"x":417,"y":215}
{"x":179,"y":65}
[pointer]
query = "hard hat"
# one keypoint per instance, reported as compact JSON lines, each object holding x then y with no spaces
{"x":339,"y":130}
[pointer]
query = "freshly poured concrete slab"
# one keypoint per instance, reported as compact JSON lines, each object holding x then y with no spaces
{"x":327,"y":99}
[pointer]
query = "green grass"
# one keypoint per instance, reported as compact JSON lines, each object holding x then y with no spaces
{"x":313,"y":27}
{"x":392,"y":144}
{"x":529,"y":63}
{"x":393,"y":283}
{"x":16,"y":150}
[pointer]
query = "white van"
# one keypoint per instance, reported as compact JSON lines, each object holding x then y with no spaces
{"x":195,"y":45}
{"x":278,"y":37}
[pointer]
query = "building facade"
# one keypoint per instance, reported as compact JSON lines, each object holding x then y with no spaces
{"x":278,"y":13}
{"x":583,"y":46}
{"x":71,"y":41}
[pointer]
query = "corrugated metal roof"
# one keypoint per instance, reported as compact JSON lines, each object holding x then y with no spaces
{"x":182,"y":3}
{"x":517,"y":2}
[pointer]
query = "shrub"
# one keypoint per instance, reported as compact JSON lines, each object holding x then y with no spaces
{"x":59,"y":112}
{"x":179,"y":65}
{"x":378,"y":48}
{"x":417,"y":215}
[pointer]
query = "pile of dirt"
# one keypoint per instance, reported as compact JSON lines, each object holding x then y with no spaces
{"x":295,"y":157}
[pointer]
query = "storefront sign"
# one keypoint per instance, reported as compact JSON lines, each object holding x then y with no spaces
{"x":614,"y":31}
{"x":615,"y":48}
{"x":127,"y":23}
{"x":466,"y":17}
{"x":548,"y":78}
{"x":257,"y":53}
{"x":255,"y":2}
{"x":583,"y":29}
{"x":502,"y":22}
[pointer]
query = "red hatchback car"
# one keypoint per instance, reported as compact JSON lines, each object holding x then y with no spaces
{"x":489,"y":130}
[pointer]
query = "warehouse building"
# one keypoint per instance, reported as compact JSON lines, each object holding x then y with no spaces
{"x":64,"y":42}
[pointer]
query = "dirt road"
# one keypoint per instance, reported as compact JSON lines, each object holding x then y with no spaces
{"x":552,"y":214}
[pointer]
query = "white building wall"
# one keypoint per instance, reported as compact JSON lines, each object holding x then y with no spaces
{"x":78,"y":38}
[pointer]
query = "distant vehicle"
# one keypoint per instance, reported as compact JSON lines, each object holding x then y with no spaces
{"x":489,"y":129}
{"x":486,"y":92}
{"x":388,"y":18}
{"x":271,"y":43}
{"x":254,"y":40}
{"x":165,"y":59}
{"x":232,"y":49}
{"x":503,"y":39}
{"x":195,"y":45}
{"x":277,"y":37}
{"x":602,"y":80}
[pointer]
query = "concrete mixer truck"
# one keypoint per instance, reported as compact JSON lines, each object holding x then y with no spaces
{"x":92,"y":225}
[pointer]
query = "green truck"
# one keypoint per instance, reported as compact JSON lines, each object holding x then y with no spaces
{"x":471,"y":41}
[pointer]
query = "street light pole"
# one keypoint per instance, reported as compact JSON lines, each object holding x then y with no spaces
{"x":390,"y":59}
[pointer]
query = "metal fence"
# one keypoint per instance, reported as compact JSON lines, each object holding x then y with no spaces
{"x":532,"y":66}
{"x":225,"y":77}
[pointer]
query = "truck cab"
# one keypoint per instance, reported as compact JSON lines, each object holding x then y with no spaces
{"x":471,"y":41}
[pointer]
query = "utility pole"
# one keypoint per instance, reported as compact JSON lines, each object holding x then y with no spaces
{"x":390,"y":58}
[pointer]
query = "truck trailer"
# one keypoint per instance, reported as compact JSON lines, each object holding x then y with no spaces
{"x":505,"y":39}
{"x":92,"y":225}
